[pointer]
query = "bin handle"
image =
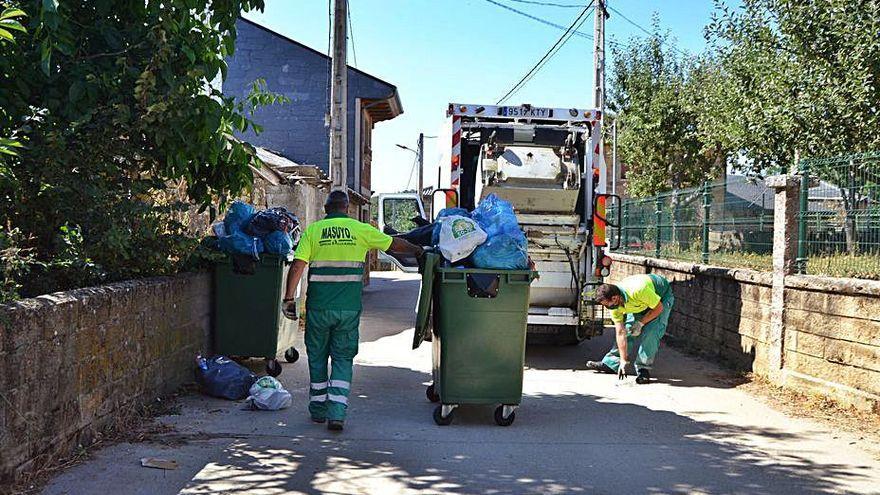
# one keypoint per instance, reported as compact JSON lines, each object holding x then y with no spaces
{"x":457,"y":277}
{"x":519,"y":278}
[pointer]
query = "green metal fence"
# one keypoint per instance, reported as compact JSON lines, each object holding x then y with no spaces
{"x":727,"y":222}
{"x":839,"y":219}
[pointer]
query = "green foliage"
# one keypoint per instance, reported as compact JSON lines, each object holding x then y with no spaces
{"x":658,"y":93}
{"x":112,"y":100}
{"x":801,"y":78}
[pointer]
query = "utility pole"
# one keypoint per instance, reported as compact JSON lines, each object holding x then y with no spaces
{"x":599,"y":56}
{"x":339,"y":99}
{"x":599,"y":83}
{"x":421,"y":158}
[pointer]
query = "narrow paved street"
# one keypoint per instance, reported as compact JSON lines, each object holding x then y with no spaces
{"x":577,"y":432}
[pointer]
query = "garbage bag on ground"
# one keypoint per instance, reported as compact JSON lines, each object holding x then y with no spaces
{"x":459,"y":236}
{"x":445,"y":212}
{"x":268,"y":394}
{"x":222,"y":377}
{"x":278,"y":242}
{"x":506,"y":251}
{"x":495,"y":216}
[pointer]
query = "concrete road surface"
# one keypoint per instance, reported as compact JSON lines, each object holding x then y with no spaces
{"x":577,"y":432}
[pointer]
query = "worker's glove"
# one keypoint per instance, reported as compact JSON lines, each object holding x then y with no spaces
{"x":621,"y":371}
{"x":288,"y":308}
{"x":636,"y":329}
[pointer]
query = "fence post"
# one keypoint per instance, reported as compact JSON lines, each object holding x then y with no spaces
{"x":659,"y":219}
{"x":786,"y":207}
{"x":707,"y":209}
{"x":624,"y":227}
{"x":804,"y":199}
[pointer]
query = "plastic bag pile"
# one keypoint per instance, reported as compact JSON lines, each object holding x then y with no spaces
{"x":247,"y":231}
{"x":490,"y":235}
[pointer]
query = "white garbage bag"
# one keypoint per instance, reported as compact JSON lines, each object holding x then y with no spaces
{"x":459,"y":236}
{"x":268,"y":394}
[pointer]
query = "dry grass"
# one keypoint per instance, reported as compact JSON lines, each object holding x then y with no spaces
{"x":133,"y":424}
{"x":862,"y":424}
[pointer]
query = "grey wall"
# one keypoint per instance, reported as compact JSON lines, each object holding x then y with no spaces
{"x":295,"y":130}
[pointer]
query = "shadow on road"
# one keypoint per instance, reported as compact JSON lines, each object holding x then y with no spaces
{"x":663,"y":452}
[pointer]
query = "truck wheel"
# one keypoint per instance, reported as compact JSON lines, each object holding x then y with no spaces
{"x":291,"y":355}
{"x":273,"y":367}
{"x":432,"y":394}
{"x":500,"y":420}
{"x":439,"y":419}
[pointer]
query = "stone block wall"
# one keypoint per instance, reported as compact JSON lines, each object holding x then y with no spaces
{"x":72,"y":362}
{"x":721,"y":313}
{"x":830,"y":341}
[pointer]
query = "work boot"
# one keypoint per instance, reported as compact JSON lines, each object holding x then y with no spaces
{"x":335,"y":425}
{"x":316,"y":419}
{"x":599,"y":366}
{"x":643,"y":377}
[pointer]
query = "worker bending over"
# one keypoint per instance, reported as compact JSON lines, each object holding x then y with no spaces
{"x":334,"y":249}
{"x":640,"y":307}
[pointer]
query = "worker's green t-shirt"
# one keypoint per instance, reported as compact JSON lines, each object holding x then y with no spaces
{"x":335,"y":249}
{"x":640,"y":292}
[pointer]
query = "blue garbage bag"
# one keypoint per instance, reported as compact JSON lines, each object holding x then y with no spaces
{"x":241,"y":243}
{"x":222,"y":377}
{"x":445,"y":212}
{"x":278,"y":242}
{"x":238,"y":216}
{"x":505,"y":251}
{"x":495,"y":216}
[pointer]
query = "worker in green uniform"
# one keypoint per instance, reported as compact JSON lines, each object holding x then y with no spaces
{"x":334,"y":250}
{"x":640,"y":307}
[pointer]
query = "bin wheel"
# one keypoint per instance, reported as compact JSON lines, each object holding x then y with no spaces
{"x":432,"y":394}
{"x":500,"y":420}
{"x":291,"y":355}
{"x":439,"y":419}
{"x":273,"y":367}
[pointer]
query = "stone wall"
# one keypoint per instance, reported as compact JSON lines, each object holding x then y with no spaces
{"x":72,"y":362}
{"x":830,"y":342}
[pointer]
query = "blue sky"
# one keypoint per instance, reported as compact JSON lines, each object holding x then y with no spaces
{"x":470,"y":51}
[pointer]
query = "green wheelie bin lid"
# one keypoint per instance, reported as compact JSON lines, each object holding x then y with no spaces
{"x":425,"y":295}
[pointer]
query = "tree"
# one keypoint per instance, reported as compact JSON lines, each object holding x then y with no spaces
{"x":9,"y":25}
{"x":803,"y":80}
{"x":112,"y":99}
{"x":658,"y":137}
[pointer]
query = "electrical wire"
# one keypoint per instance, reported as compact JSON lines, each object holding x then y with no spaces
{"x":643,"y":29}
{"x":538,"y":19}
{"x":412,"y":172}
{"x":550,"y":4}
{"x":529,"y":78}
{"x":559,"y":42}
{"x":351,"y":35}
{"x":329,"y":56}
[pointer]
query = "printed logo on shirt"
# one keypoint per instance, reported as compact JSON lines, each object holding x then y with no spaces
{"x":336,"y":236}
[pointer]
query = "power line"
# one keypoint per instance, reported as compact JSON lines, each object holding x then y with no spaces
{"x":541,"y":66}
{"x":538,"y":19}
{"x":644,"y":30}
{"x":351,"y":32}
{"x":550,"y":4}
{"x":561,"y":41}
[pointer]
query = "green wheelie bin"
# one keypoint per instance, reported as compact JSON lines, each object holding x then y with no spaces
{"x":247,"y":315}
{"x":478,"y":322}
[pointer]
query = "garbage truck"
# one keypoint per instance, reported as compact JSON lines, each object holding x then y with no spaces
{"x":548,"y":163}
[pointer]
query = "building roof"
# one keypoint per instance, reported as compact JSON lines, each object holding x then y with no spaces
{"x":379,"y":109}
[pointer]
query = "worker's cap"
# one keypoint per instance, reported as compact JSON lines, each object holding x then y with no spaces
{"x":336,"y":199}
